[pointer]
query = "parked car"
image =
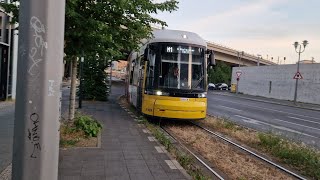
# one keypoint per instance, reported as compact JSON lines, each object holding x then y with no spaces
{"x":222,"y":86}
{"x":211,"y":86}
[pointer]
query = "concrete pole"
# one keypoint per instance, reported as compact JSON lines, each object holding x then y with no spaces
{"x":81,"y":81}
{"x":36,"y":128}
{"x":14,"y":63}
{"x":298,"y":69}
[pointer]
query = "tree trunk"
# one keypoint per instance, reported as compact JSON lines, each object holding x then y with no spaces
{"x":73,"y":89}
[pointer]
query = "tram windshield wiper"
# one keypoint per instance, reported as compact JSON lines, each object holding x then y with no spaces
{"x":198,"y":82}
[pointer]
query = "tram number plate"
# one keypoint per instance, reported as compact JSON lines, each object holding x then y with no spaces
{"x":184,"y":99}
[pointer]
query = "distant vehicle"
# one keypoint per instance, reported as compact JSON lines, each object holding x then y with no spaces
{"x":222,"y":86}
{"x":211,"y":86}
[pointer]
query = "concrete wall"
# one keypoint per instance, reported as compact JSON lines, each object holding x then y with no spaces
{"x":256,"y":81}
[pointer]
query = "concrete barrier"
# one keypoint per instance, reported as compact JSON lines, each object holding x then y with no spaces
{"x":277,"y":82}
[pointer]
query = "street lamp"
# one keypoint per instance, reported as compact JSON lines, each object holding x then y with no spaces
{"x":259,"y":57}
{"x":240,"y":55}
{"x":297,"y":47}
{"x":81,"y":81}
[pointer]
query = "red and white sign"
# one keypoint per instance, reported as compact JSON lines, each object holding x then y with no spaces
{"x":238,"y":73}
{"x":298,"y":76}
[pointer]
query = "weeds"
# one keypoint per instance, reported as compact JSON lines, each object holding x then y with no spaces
{"x":299,"y":157}
{"x":86,"y":123}
{"x":302,"y":158}
{"x":184,"y":159}
{"x":65,"y":143}
{"x":77,"y":133}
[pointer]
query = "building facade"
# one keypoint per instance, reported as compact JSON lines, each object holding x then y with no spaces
{"x":8,"y":56}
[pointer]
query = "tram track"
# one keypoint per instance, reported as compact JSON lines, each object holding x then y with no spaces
{"x":199,"y":159}
{"x":233,"y":144}
{"x":249,"y":151}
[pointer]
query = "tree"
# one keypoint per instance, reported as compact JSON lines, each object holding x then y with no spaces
{"x":105,"y":28}
{"x":221,"y":73}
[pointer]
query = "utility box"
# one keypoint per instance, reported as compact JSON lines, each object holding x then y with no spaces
{"x":233,"y":88}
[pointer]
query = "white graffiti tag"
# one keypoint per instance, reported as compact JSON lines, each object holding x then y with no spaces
{"x":36,"y":52}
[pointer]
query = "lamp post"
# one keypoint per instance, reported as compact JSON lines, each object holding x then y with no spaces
{"x":240,"y":55}
{"x":259,"y":57}
{"x":297,"y":47}
{"x":81,"y":81}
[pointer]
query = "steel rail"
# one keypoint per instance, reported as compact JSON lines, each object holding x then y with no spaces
{"x":250,"y":152}
{"x":199,"y":159}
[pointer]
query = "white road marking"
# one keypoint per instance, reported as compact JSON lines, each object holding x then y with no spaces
{"x":152,"y":139}
{"x":161,"y":149}
{"x":176,"y":163}
{"x":173,"y":164}
{"x":258,"y":107}
{"x":170,"y":164}
{"x":146,"y":131}
{"x":253,"y":121}
{"x":303,"y":120}
{"x":297,"y":124}
{"x":230,"y":108}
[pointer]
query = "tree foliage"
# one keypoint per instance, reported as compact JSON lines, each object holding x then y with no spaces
{"x":221,"y":73}
{"x":95,"y":84}
{"x":106,"y":28}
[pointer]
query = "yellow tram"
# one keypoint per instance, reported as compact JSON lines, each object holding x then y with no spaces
{"x":168,"y":77}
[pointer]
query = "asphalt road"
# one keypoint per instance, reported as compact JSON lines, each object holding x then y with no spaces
{"x":6,"y":133}
{"x":295,"y":123}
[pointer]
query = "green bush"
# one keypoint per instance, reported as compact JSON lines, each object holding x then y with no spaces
{"x":90,"y":126}
{"x":302,"y":158}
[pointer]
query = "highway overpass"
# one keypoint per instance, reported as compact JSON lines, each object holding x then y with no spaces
{"x":230,"y":56}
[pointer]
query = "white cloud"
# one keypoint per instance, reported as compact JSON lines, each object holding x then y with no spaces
{"x":255,"y":26}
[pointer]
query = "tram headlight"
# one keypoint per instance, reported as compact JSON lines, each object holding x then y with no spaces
{"x":159,"y":93}
{"x":202,"y":95}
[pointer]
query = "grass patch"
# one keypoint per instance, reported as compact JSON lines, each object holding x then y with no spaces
{"x":82,"y":132}
{"x":184,"y":159}
{"x":298,"y":156}
{"x":68,"y":142}
{"x":304,"y":159}
{"x":90,"y":126}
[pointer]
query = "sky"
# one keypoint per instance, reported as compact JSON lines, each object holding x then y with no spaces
{"x":265,"y":27}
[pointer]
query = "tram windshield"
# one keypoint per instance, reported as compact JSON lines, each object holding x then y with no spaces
{"x":182,"y":67}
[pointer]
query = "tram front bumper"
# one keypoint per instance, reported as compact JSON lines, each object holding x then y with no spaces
{"x":195,"y":109}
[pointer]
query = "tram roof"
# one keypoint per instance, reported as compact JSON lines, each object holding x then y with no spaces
{"x":177,"y":36}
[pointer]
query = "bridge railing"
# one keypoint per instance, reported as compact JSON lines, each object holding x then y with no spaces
{"x":247,"y":54}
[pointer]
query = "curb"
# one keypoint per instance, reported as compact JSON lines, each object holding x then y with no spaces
{"x":89,"y":147}
{"x":6,"y":173}
{"x":282,"y":104}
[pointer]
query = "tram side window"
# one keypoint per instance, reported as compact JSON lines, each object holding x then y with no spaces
{"x":150,"y":70}
{"x":131,"y":72}
{"x":198,"y":68}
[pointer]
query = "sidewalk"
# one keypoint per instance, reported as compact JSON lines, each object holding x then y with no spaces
{"x":271,"y":100}
{"x":6,"y":134}
{"x":126,"y":151}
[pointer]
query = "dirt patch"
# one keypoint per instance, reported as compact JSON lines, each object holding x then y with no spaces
{"x":241,"y":134}
{"x":72,"y":137}
{"x":236,"y":164}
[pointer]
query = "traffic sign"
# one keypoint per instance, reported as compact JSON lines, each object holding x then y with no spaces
{"x":298,"y":76}
{"x":238,"y":73}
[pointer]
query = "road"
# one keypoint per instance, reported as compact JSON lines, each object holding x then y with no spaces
{"x":295,"y":123}
{"x":6,"y":133}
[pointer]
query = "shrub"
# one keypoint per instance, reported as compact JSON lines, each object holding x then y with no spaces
{"x":90,"y":126}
